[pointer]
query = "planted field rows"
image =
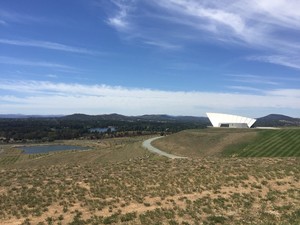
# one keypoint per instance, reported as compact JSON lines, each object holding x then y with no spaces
{"x":232,"y":143}
{"x":9,"y":160}
{"x":277,"y":143}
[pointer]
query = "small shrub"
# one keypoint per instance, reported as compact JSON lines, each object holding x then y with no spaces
{"x":217,"y":219}
{"x":128,"y":217}
{"x":111,"y":219}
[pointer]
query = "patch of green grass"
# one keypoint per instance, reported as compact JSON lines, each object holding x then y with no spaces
{"x":268,"y":143}
{"x":235,"y":149}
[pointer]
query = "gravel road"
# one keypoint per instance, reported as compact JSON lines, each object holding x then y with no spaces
{"x":149,"y":147}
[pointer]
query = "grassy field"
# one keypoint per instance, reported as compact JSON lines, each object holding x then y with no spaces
{"x":271,"y":143}
{"x":154,"y":191}
{"x":118,"y":182}
{"x":100,"y":151}
{"x":205,"y":142}
{"x":233,"y":142}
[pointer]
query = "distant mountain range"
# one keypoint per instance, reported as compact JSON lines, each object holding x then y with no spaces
{"x":22,"y":116}
{"x":152,"y":118}
{"x":269,"y":120}
{"x":274,"y":120}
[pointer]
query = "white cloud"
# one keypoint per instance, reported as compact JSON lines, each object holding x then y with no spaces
{"x":118,"y":22}
{"x":244,"y":88}
{"x":285,"y":92}
{"x":16,"y":61}
{"x":49,"y":97}
{"x":196,"y":10}
{"x":51,"y":76}
{"x":280,"y":12}
{"x":163,"y":45}
{"x":248,"y":19}
{"x":268,"y":25}
{"x":253,"y":79}
{"x":11,"y":16}
{"x":46,"y":45}
{"x":288,"y":61}
{"x":120,"y":19}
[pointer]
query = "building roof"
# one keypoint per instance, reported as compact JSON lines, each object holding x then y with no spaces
{"x":217,"y":119}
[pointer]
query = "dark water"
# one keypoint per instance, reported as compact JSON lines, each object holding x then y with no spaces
{"x":49,"y":148}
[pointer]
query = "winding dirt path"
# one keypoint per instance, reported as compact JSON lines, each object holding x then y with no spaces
{"x":147,"y":145}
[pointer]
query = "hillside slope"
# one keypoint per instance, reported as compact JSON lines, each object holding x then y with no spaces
{"x":277,"y":120}
{"x":232,"y":143}
{"x":269,"y":143}
{"x":203,"y":143}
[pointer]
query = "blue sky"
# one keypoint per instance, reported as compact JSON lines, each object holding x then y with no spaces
{"x":177,"y":57}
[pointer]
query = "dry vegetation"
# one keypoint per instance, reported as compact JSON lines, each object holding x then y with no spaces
{"x":99,"y":151}
{"x":205,"y":142}
{"x":117,"y":182}
{"x":233,"y":143}
{"x":230,"y":191}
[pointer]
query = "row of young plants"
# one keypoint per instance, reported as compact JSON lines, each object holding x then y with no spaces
{"x":267,"y":143}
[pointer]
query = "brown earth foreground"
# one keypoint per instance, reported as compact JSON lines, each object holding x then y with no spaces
{"x":154,"y":191}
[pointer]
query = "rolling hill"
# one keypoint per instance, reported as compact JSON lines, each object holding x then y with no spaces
{"x":277,"y":120}
{"x":232,"y":143}
{"x":150,"y":118}
{"x":272,"y":120}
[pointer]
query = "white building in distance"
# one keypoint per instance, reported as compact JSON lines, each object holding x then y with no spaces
{"x":232,"y":121}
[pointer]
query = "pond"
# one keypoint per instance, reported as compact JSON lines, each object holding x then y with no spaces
{"x":49,"y":148}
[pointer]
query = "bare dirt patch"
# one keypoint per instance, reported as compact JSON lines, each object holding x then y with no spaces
{"x":150,"y":191}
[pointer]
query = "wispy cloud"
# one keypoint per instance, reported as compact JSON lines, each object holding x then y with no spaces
{"x":120,"y":18}
{"x":197,"y":11}
{"x":253,"y":79}
{"x":51,"y":76}
{"x":13,"y":17}
{"x":16,"y":61}
{"x":245,"y":88}
{"x":251,"y":22}
{"x":119,"y":21}
{"x":263,"y":84}
{"x":285,"y":92}
{"x":46,"y":45}
{"x":163,"y":45}
{"x":257,"y":24}
{"x":279,"y":12}
{"x":64,"y":98}
{"x":283,"y":60}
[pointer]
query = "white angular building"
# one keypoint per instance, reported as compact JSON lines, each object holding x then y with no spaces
{"x":227,"y":120}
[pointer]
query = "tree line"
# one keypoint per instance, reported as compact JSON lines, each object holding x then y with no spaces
{"x":50,"y":129}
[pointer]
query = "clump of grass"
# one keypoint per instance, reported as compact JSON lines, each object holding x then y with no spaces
{"x":152,"y":191}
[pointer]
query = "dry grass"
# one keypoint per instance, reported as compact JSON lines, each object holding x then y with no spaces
{"x":118,"y":182}
{"x":100,"y":151}
{"x":150,"y":191}
{"x":203,"y":143}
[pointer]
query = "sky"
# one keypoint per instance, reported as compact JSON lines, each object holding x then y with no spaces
{"x":135,"y":57}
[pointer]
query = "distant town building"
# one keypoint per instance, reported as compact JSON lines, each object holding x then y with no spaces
{"x":232,"y":121}
{"x":103,"y":129}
